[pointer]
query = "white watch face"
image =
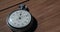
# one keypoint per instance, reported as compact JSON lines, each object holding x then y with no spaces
{"x":19,"y":18}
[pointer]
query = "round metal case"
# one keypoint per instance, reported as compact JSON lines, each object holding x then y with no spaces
{"x":21,"y":20}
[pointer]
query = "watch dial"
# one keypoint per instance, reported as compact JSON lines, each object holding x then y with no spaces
{"x":20,"y":18}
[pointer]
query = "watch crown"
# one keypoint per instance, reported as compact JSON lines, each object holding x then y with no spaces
{"x":23,"y":7}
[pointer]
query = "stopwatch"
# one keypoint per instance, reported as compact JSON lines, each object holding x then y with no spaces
{"x":20,"y":20}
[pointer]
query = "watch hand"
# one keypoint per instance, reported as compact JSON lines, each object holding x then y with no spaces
{"x":19,"y":17}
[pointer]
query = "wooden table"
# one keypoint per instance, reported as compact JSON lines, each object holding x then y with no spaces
{"x":47,"y":13}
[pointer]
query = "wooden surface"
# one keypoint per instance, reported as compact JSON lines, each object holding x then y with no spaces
{"x":47,"y":13}
{"x":8,"y":3}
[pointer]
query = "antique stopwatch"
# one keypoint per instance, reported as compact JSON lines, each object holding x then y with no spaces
{"x":21,"y":20}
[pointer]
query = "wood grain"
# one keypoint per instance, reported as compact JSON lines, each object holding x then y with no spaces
{"x":8,"y":3}
{"x":47,"y":13}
